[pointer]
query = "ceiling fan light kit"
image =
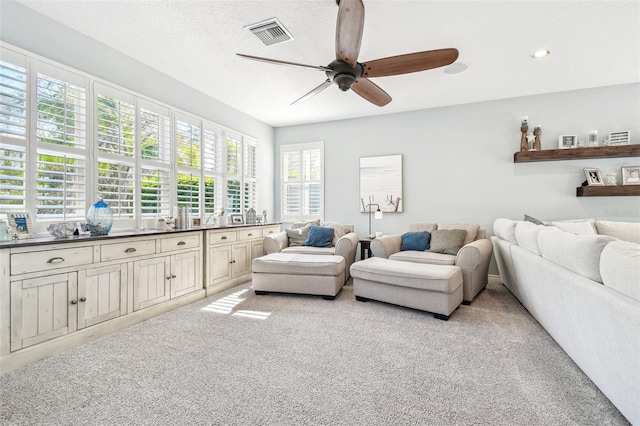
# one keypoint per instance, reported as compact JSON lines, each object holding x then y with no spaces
{"x":347,"y":73}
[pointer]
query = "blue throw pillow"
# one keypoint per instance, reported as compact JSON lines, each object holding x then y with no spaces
{"x":319,"y":236}
{"x":418,"y":241}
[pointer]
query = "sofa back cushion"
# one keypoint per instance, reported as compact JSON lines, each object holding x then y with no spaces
{"x":578,"y":253}
{"x":319,"y":237}
{"x":448,"y":241}
{"x":297,"y":225}
{"x":298,"y":236}
{"x":421,"y":226}
{"x":470,"y":229}
{"x":505,"y":229}
{"x":626,"y":231}
{"x":339,"y":230}
{"x":620,"y":267}
{"x":527,"y":236}
{"x":579,"y":227}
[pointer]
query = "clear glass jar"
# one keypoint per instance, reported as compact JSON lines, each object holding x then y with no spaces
{"x":99,"y":218}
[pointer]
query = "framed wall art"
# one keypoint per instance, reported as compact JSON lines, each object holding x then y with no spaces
{"x":567,"y":141}
{"x":631,"y":175}
{"x":381,"y":183}
{"x":593,"y":177}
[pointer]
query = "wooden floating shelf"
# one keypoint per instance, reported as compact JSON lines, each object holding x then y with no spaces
{"x":608,"y":191}
{"x":577,"y":153}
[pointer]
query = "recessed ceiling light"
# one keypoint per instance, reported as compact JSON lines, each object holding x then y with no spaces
{"x":541,"y":54}
{"x":456,"y":68}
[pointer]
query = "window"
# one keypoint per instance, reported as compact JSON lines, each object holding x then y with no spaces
{"x":66,"y":137}
{"x":302,"y":191}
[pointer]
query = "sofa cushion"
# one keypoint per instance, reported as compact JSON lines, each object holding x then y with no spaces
{"x":339,"y":230}
{"x":579,"y":227}
{"x":415,"y":241}
{"x":533,"y":220}
{"x":471,"y":230}
{"x":505,"y":229}
{"x":319,"y":236}
{"x":527,"y":236}
{"x":448,"y":241}
{"x":303,"y":224}
{"x":620,"y":267}
{"x":578,"y":253}
{"x":627,"y":231}
{"x":298,"y":236}
{"x":424,"y":257}
{"x":309,"y":250}
{"x":421,"y":226}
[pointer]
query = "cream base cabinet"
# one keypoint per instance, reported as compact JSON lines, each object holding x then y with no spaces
{"x":102,"y":294}
{"x":186,"y":273}
{"x":151,"y":282}
{"x":43,"y":308}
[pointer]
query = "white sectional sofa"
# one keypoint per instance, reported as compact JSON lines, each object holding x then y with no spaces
{"x":582,"y":284}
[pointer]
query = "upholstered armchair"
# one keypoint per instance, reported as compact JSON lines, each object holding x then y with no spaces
{"x":344,"y":243}
{"x":471,"y":251}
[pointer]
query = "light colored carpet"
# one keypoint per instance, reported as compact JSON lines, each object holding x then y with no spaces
{"x":241,"y":359}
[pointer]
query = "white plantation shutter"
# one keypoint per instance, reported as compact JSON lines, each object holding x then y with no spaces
{"x":250,"y":172}
{"x":116,"y":182}
{"x":188,"y":161}
{"x":188,"y":144}
{"x":189,"y":192}
{"x":60,"y":185}
{"x":155,"y":158}
{"x":12,"y":177}
{"x":233,"y":145}
{"x":115,"y":121}
{"x":213,"y":169}
{"x":302,"y":191}
{"x":13,"y":95}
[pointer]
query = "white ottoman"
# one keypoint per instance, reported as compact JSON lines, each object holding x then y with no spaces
{"x":431,"y":288}
{"x":323,"y":275}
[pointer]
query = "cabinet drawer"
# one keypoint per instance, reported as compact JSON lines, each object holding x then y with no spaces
{"x":270,"y":230}
{"x":22,"y":263}
{"x":222,"y":237}
{"x":249,"y":234}
{"x":127,"y":250}
{"x":182,"y":242}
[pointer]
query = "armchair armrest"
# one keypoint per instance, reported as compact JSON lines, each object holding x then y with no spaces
{"x":474,"y":259}
{"x":386,"y":245}
{"x":275,"y":243}
{"x":346,"y":246}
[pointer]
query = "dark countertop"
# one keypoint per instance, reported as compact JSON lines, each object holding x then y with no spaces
{"x":41,"y":240}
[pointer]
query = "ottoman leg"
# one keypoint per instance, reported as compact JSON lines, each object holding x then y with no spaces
{"x":361,"y":299}
{"x":441,"y":317}
{"x":260,"y":292}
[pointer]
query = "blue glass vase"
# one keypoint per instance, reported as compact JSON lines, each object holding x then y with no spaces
{"x":99,"y":218}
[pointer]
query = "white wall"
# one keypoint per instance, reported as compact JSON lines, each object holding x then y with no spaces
{"x":458,"y":161}
{"x":29,"y":30}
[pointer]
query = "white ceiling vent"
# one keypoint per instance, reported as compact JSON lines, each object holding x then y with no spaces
{"x":270,"y":32}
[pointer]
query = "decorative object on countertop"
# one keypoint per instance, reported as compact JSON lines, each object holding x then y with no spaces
{"x":631,"y":175}
{"x":620,"y":138}
{"x":5,"y":231}
{"x":251,"y":216}
{"x":537,"y":131}
{"x":524,"y":129}
{"x":161,"y":225}
{"x":20,"y":224}
{"x":264,"y":216}
{"x":237,"y":219}
{"x":99,"y":218}
{"x":62,"y":229}
{"x":222,"y":218}
{"x":182,"y":220}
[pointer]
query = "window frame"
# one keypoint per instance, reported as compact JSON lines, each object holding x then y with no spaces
{"x":301,"y":148}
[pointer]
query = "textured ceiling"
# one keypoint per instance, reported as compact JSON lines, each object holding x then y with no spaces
{"x":593,"y":43}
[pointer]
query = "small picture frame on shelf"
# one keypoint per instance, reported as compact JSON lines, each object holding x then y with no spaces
{"x":620,"y":138}
{"x":195,"y":222}
{"x":567,"y":141}
{"x":631,"y":175}
{"x":237,"y":219}
{"x":20,"y":224}
{"x":593,"y":177}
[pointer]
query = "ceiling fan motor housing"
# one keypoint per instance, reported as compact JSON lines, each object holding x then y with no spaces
{"x":343,"y":75}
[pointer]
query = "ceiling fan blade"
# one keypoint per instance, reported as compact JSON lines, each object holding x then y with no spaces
{"x":314,"y":92}
{"x":349,"y":31}
{"x":411,"y":62}
{"x":279,"y":62}
{"x":371,"y":92}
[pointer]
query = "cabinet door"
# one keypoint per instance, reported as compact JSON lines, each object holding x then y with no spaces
{"x":151,"y":282}
{"x":241,"y":259}
{"x":220,"y":264}
{"x":102,"y":294}
{"x":257,"y":250}
{"x":43,"y":309}
{"x":186,"y":273}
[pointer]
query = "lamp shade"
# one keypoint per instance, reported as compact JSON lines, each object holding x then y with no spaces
{"x":378,"y":214}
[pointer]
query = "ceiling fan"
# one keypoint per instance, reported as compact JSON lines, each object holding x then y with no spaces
{"x":348,"y":73}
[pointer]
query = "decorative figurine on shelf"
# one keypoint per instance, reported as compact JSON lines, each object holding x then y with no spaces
{"x":537,"y":131}
{"x":524,"y":128}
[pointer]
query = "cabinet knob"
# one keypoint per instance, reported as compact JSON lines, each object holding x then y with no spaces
{"x":173,"y":276}
{"x":169,"y":278}
{"x":83,"y":299}
{"x":73,"y":302}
